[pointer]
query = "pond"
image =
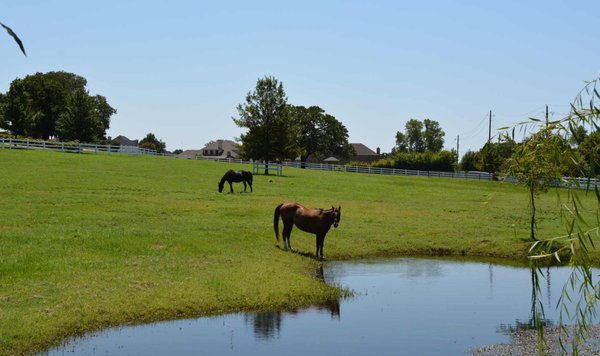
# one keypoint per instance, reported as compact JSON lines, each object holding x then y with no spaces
{"x":401,"y":306}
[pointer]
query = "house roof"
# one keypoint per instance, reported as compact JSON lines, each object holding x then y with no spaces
{"x":225,"y":145}
{"x":190,"y":154}
{"x":125,"y":141}
{"x":362,"y":150}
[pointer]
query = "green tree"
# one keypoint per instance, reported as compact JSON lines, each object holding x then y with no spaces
{"x":414,"y":136}
{"x":589,"y":149}
{"x":79,"y":120}
{"x":493,"y":156}
{"x":318,"y":133}
{"x":152,"y":143}
{"x":14,"y":111}
{"x":46,"y":101}
{"x":33,"y":105}
{"x":579,"y":134}
{"x":401,"y":143}
{"x":537,"y":163}
{"x":266,"y":116}
{"x":103,"y":111}
{"x":538,"y":160}
{"x":426,"y":136}
{"x":433,"y":136}
{"x":470,"y":161}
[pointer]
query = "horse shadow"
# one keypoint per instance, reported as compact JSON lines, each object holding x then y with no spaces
{"x":301,"y":253}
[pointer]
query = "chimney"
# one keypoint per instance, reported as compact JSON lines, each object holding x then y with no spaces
{"x":378,"y":151}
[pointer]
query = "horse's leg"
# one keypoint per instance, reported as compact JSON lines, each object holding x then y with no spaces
{"x":287,"y":231}
{"x":250,"y":184}
{"x":230,"y":187}
{"x":244,"y":186}
{"x":320,"y":241}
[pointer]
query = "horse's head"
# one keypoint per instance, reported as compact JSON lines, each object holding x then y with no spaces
{"x":337,"y":215}
{"x":221,"y":184}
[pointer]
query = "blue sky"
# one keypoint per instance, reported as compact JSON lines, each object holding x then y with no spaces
{"x":179,"y":69}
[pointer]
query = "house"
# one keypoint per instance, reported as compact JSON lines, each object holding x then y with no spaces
{"x":218,"y":149}
{"x":364,"y":153}
{"x":124,"y":141}
{"x":190,"y":154}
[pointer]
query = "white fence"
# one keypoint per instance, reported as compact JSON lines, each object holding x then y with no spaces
{"x":270,"y":167}
{"x":365,"y":169}
{"x":10,"y":143}
{"x":566,"y":182}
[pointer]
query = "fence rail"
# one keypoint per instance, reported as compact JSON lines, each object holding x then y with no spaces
{"x":73,"y":147}
{"x":10,"y":143}
{"x":364,"y":169}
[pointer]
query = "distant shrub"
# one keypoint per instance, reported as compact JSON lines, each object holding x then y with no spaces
{"x":425,"y":161}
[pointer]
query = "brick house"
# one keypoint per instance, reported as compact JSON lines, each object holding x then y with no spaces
{"x":215,"y":149}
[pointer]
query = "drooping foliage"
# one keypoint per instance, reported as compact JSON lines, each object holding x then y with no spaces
{"x":550,"y":159}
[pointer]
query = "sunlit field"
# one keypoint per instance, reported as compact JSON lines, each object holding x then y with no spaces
{"x":89,"y":241}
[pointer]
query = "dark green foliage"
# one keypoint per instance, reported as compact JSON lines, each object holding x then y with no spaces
{"x":79,"y":121}
{"x":265,"y":114}
{"x":427,"y":161}
{"x":318,"y":133}
{"x":426,"y":136}
{"x":470,"y":161}
{"x":493,"y":156}
{"x":589,"y":149}
{"x":33,"y":106}
{"x":152,"y":143}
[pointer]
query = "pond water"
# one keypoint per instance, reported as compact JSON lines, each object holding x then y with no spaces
{"x":401,"y":306}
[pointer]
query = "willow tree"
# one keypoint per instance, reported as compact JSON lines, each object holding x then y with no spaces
{"x":547,"y":159}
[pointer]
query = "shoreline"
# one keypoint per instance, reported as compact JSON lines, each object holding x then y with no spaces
{"x":525,"y":342}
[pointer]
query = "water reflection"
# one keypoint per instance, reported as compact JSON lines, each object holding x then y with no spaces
{"x":267,"y":325}
{"x":418,"y":306}
{"x":536,"y":317}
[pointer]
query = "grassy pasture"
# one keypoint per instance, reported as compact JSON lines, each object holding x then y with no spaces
{"x":89,"y":241}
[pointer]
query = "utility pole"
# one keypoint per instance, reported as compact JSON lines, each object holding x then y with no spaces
{"x":457,"y":148}
{"x":490,"y":128}
{"x":546,"y":117}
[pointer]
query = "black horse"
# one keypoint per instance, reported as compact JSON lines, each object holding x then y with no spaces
{"x":236,"y":176}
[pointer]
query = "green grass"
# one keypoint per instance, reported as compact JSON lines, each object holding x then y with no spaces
{"x":89,"y":241}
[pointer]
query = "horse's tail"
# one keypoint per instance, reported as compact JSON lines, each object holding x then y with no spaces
{"x":276,"y":221}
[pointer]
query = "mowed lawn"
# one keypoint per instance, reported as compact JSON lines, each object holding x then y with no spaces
{"x":89,"y":241}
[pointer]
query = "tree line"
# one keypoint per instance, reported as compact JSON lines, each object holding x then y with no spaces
{"x":497,"y":157}
{"x":55,"y":105}
{"x":277,"y":130}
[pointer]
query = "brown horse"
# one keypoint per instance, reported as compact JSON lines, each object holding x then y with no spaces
{"x":314,"y":221}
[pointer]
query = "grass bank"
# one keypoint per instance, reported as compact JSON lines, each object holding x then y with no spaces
{"x":89,"y":241}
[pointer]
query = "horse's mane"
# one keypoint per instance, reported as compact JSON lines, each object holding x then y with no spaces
{"x":326,"y":211}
